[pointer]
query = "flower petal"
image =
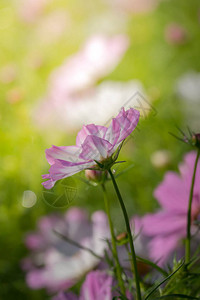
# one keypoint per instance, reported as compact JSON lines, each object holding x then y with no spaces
{"x":95,"y":148}
{"x":164,"y":223}
{"x":90,"y":129}
{"x":97,"y":286}
{"x":122,"y":125}
{"x":65,"y":296}
{"x":49,"y":183}
{"x":186,"y":169}
{"x":69,"y":153}
{"x":171,"y":193}
{"x":128,"y":120}
{"x":63,"y":169}
{"x":113,"y":132}
{"x":161,"y":247}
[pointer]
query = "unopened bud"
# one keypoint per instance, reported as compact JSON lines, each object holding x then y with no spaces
{"x":196,"y":140}
{"x":122,"y":236}
{"x":94,"y":175}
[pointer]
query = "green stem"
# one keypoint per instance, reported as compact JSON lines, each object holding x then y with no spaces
{"x":187,"y":244}
{"x":133,"y":255}
{"x":114,"y":246}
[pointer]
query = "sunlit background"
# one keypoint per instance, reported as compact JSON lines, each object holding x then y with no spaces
{"x":68,"y":63}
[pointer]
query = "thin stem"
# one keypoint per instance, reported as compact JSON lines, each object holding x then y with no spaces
{"x":114,"y":246}
{"x":65,"y":238}
{"x":133,"y":255}
{"x":187,"y":244}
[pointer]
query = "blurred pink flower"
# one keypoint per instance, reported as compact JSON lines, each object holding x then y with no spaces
{"x":98,"y":57}
{"x":56,"y":263}
{"x":93,"y":142}
{"x":52,"y":27}
{"x":97,"y":286}
{"x":175,"y":34}
{"x":30,"y":10}
{"x":8,"y":73}
{"x":167,"y":227}
{"x":73,"y":80}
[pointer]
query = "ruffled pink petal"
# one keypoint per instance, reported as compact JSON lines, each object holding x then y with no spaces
{"x":90,"y":129}
{"x":69,"y":153}
{"x":59,"y":171}
{"x":113,"y":132}
{"x":171,"y":193}
{"x":126,"y":121}
{"x":95,"y":148}
{"x":164,"y":223}
{"x":63,"y":169}
{"x":49,"y":183}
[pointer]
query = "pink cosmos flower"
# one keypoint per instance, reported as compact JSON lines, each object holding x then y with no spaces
{"x":167,"y":227}
{"x":93,"y":143}
{"x":56,"y":263}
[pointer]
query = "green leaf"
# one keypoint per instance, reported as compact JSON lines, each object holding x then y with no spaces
{"x":177,"y":296}
{"x":153,"y":265}
{"x":167,"y":278}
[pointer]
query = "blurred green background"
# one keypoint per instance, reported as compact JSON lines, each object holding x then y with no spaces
{"x":27,"y":59}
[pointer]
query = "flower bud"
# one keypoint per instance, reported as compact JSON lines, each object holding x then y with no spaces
{"x":93,"y":175}
{"x":196,"y":140}
{"x":121,"y":236}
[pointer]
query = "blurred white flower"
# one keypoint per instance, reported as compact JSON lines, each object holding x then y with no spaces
{"x":188,"y":86}
{"x":107,"y":22}
{"x":56,"y":262}
{"x":97,"y":105}
{"x":98,"y":57}
{"x":161,"y":158}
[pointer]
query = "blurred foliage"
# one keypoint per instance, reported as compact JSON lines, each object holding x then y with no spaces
{"x":150,"y":59}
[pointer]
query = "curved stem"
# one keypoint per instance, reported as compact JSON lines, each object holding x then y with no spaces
{"x":187,"y":244}
{"x":114,"y":246}
{"x":133,"y":255}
